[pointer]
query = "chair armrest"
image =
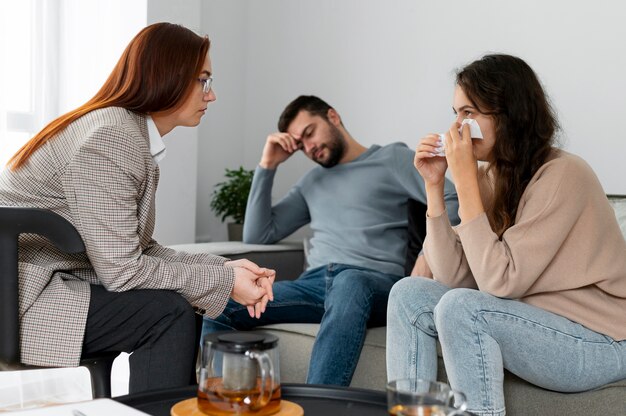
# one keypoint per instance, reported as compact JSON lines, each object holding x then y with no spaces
{"x":20,"y":220}
{"x":13,"y":222}
{"x":287,"y":258}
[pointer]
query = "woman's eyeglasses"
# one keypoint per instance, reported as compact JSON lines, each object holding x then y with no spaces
{"x":206,"y":84}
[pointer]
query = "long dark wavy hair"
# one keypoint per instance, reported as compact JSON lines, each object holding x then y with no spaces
{"x":507,"y":89}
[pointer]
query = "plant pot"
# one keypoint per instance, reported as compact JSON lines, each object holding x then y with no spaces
{"x":235,"y":231}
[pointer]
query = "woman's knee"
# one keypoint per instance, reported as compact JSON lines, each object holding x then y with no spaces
{"x":167,"y":303}
{"x":404,"y":291}
{"x":412,"y":296}
{"x":458,"y":307}
{"x":417,"y":291}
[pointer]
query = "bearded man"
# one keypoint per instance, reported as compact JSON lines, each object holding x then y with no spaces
{"x":356,"y":204}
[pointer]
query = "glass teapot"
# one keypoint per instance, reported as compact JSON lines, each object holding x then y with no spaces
{"x":239,"y":374}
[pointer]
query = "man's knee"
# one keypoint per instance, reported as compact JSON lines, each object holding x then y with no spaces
{"x":349,"y":296}
{"x":350,"y":284}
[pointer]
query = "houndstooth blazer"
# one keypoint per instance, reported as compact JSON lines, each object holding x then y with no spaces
{"x":99,"y":174}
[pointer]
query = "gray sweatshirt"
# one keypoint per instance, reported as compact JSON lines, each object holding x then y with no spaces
{"x":357,"y":210}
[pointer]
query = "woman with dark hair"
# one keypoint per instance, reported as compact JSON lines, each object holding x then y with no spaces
{"x":97,"y":166}
{"x":534,"y":278}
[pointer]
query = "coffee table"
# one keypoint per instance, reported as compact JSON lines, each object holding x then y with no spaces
{"x":315,"y":400}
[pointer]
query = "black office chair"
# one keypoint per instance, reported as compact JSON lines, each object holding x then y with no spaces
{"x":13,"y":222}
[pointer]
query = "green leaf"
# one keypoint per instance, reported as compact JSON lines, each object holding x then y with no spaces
{"x":230,"y":197}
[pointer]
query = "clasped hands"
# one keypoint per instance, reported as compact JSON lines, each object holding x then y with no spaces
{"x":253,"y":285}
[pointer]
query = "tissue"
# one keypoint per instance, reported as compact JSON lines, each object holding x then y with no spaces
{"x":475,"y":133}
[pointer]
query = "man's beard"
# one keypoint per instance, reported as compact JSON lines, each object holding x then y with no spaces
{"x":336,"y":148}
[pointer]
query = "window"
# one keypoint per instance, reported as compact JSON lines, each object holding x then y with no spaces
{"x":55,"y":55}
{"x":27,"y":44}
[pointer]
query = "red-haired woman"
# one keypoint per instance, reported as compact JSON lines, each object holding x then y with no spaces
{"x":97,"y":166}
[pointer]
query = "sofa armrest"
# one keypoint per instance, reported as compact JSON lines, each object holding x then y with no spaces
{"x":286,"y":257}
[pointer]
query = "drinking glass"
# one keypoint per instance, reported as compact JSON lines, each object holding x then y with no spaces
{"x":418,"y":397}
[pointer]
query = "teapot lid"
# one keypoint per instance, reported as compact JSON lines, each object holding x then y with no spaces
{"x":242,"y":341}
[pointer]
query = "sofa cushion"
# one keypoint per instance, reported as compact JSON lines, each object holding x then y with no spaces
{"x":523,"y":398}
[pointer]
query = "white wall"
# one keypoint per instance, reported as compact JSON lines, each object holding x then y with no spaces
{"x":176,"y":195}
{"x":388,"y":68}
{"x":221,"y":134}
{"x":85,"y":61}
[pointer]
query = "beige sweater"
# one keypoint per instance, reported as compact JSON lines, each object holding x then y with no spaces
{"x":565,"y":253}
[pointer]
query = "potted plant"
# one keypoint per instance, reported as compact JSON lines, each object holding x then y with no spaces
{"x":229,"y":199}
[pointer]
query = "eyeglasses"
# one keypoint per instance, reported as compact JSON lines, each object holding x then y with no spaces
{"x":206,"y":84}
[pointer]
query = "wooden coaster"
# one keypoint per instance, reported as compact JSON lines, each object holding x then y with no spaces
{"x":189,"y":407}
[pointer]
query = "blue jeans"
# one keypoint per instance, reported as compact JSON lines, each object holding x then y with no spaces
{"x":481,"y":335}
{"x":344,"y":299}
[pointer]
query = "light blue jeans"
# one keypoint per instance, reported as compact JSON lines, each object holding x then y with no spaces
{"x":481,"y":335}
{"x":344,"y":299}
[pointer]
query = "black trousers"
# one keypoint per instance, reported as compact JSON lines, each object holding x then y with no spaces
{"x":158,"y":327}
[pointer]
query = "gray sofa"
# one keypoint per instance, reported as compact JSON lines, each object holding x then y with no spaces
{"x":296,"y":342}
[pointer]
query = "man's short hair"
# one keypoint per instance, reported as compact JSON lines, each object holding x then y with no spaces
{"x":310,"y":103}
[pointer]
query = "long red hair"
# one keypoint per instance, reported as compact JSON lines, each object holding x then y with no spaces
{"x":156,"y":72}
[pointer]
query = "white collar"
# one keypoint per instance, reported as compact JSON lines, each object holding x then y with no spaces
{"x":157,"y":147}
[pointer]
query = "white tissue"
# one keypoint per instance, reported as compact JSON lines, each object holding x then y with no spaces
{"x":475,"y":133}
